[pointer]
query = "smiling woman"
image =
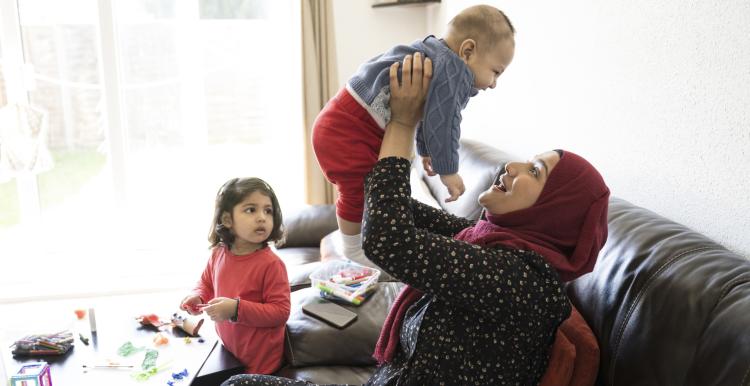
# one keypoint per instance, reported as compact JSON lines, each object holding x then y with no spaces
{"x":520,"y":185}
{"x":142,"y":130}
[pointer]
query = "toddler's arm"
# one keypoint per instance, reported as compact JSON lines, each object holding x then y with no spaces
{"x":455,"y":185}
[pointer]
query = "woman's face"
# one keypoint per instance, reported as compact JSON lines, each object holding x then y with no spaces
{"x":520,"y":186}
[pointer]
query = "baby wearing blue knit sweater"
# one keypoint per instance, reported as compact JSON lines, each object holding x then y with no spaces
{"x":477,"y":48}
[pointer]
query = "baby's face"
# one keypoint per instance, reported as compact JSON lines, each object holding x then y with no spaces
{"x":489,"y":64}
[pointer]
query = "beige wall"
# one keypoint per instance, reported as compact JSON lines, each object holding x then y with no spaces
{"x":656,"y":94}
{"x":363,"y":32}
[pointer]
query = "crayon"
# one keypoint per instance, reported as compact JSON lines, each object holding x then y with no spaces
{"x":340,"y":293}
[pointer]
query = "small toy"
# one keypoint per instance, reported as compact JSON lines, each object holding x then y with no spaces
{"x":149,"y":360}
{"x":128,"y":349}
{"x":38,"y":373}
{"x":144,"y":375}
{"x":189,"y":324}
{"x":160,"y":339}
{"x":176,"y":377}
{"x":80,"y":313}
{"x":151,"y":320}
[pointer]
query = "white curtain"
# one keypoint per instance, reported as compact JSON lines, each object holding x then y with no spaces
{"x":320,"y":85}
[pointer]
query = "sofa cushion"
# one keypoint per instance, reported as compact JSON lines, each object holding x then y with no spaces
{"x":350,"y":375}
{"x":313,"y":342}
{"x":331,"y":247}
{"x":298,"y":255}
{"x":419,"y":188}
{"x":479,"y":165}
{"x":305,"y":226}
{"x":299,"y":275}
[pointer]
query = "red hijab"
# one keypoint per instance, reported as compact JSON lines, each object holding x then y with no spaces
{"x":567,"y":225}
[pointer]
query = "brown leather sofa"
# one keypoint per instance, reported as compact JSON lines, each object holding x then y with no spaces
{"x":668,"y":305}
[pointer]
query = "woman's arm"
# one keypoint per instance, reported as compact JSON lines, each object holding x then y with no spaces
{"x":407,"y":105}
{"x":437,"y":220}
{"x":493,"y":281}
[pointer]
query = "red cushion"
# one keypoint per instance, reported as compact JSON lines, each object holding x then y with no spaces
{"x":574,"y":357}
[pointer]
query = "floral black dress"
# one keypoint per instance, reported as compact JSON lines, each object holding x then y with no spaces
{"x":488,"y":316}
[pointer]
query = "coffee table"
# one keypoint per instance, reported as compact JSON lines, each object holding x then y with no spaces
{"x":206,"y":360}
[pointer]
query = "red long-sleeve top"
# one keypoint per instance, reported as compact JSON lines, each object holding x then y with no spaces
{"x":260,"y":280}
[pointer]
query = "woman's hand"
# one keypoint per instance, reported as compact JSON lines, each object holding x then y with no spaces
{"x":407,"y":98}
{"x":407,"y":105}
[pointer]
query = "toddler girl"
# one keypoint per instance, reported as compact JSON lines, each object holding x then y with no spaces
{"x":244,"y":287}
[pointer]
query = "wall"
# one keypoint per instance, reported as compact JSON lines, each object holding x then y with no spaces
{"x":363,"y":32}
{"x":655,"y":94}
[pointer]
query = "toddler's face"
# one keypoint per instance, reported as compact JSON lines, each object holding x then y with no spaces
{"x":489,"y":64}
{"x":251,"y":221}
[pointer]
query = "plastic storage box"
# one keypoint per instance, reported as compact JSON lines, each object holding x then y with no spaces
{"x":345,"y":280}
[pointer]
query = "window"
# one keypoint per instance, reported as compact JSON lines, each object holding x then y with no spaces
{"x":150,"y":105}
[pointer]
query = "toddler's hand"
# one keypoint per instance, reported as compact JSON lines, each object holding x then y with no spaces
{"x":190,"y":304}
{"x":221,"y":309}
{"x":427,"y":165}
{"x":455,"y":185}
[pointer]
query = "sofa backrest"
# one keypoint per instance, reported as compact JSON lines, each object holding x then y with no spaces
{"x":479,"y":164}
{"x":668,"y":305}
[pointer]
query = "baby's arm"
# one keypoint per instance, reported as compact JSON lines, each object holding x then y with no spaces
{"x":455,"y":185}
{"x":440,"y":131}
{"x":427,"y":165}
{"x":453,"y":182}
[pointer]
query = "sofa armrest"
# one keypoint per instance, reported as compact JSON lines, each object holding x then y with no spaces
{"x":304,"y":227}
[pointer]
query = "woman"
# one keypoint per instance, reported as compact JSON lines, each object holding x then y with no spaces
{"x":484,"y":299}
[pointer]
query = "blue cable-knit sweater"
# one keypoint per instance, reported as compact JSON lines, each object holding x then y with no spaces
{"x":450,"y":90}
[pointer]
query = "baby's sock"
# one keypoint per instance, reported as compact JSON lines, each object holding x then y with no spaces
{"x":354,"y":252}
{"x":353,"y":248}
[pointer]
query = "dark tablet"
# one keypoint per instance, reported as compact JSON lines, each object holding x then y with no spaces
{"x":330,"y":313}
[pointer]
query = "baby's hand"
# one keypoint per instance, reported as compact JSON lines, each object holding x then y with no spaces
{"x":455,"y":185}
{"x":221,"y":309}
{"x":427,"y":165}
{"x":190,"y":304}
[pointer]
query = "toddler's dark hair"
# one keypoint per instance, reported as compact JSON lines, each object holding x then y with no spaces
{"x":231,"y":194}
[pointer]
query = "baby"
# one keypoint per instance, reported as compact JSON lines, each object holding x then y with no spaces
{"x":478,"y":46}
